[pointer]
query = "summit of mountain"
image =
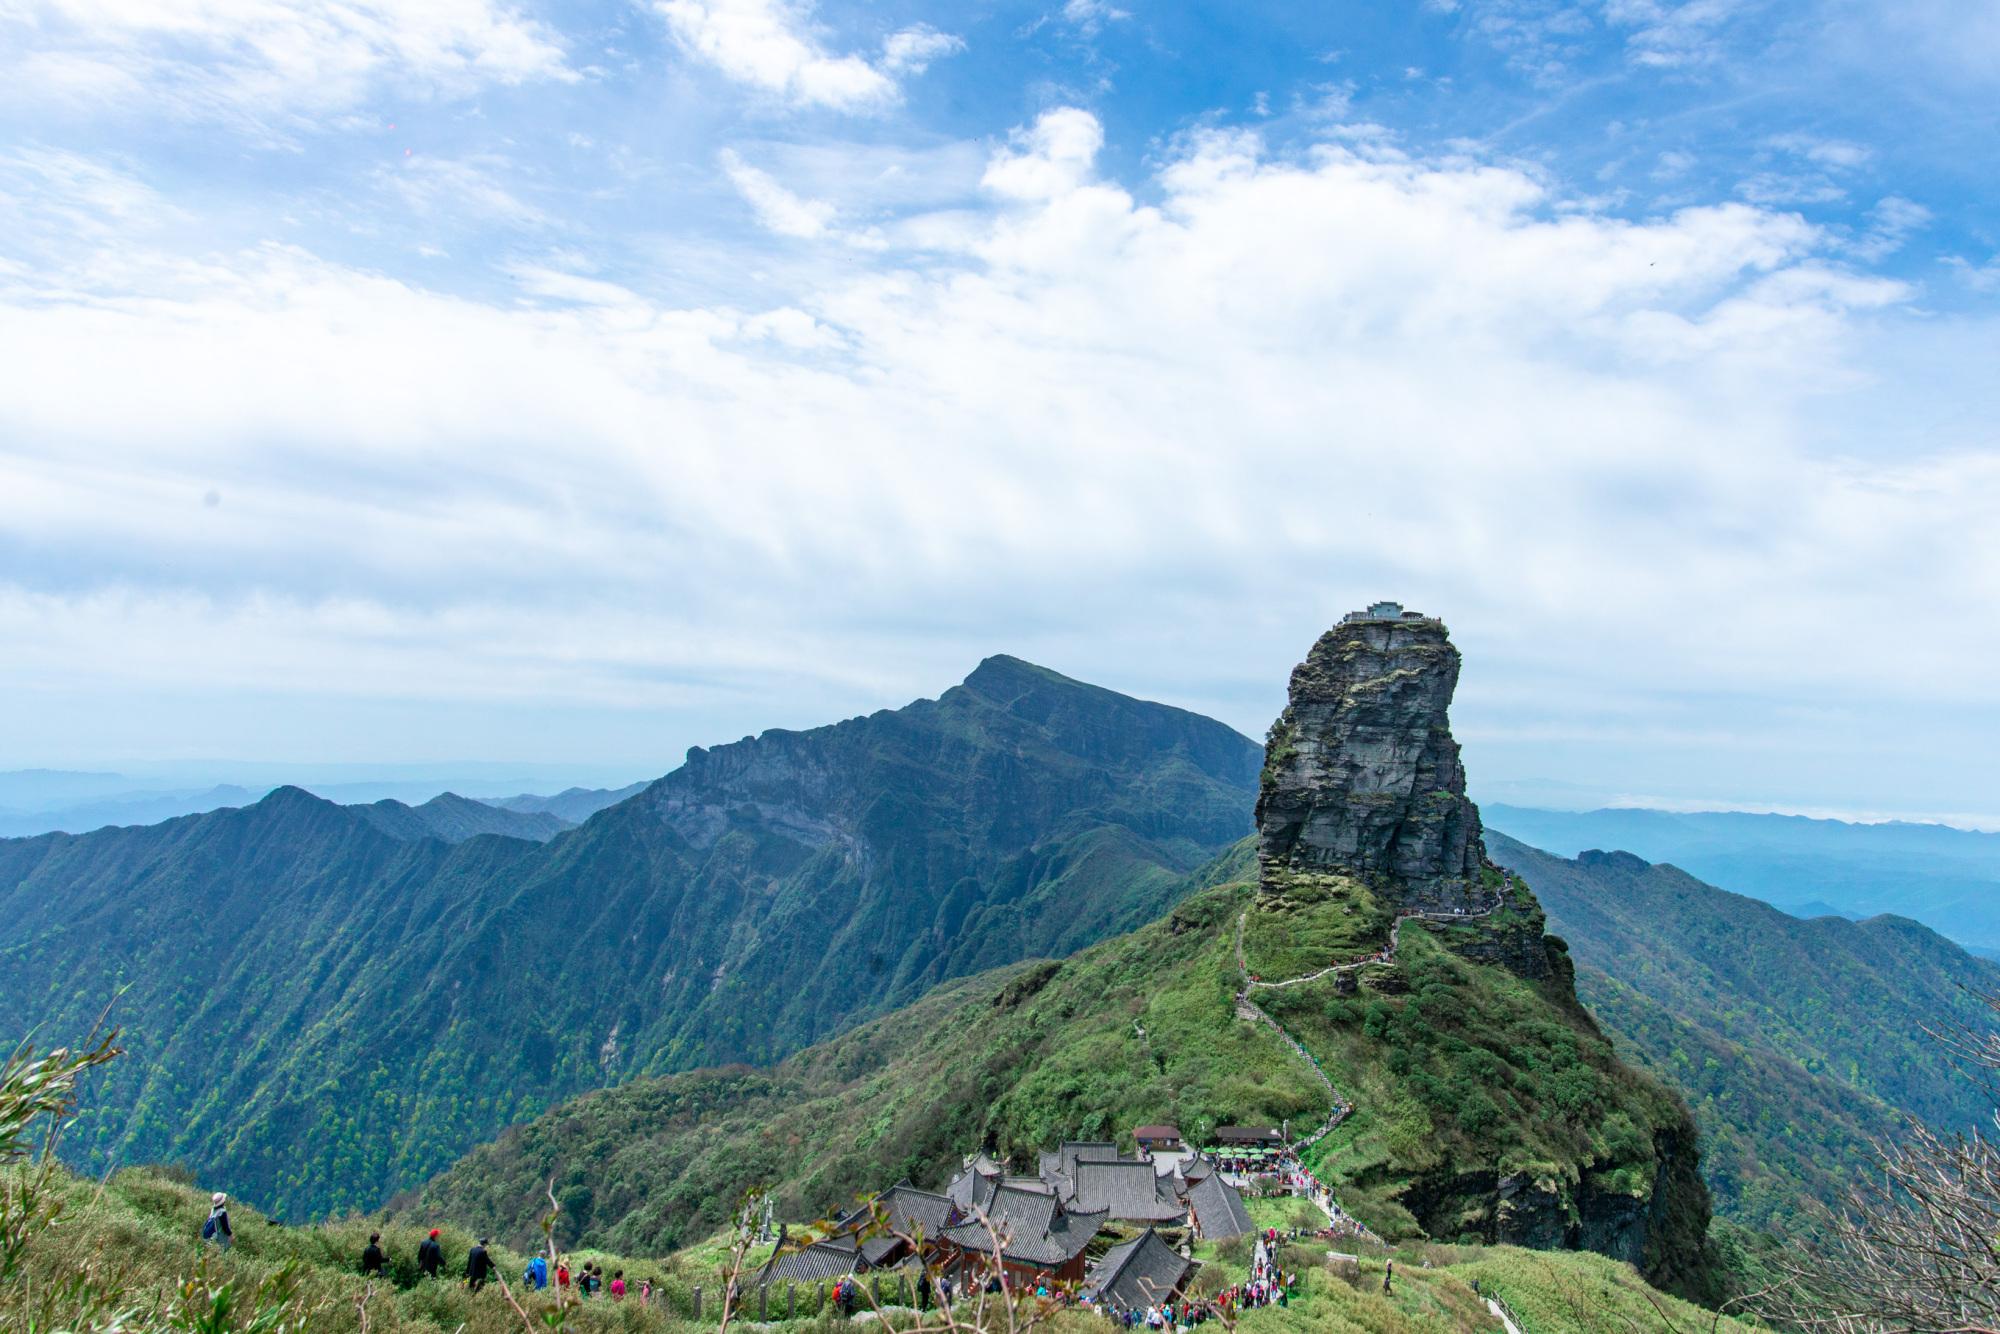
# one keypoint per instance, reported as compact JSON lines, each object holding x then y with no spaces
{"x":1357,"y":971}
{"x":324,"y":1003}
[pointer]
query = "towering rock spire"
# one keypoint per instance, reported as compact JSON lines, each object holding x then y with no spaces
{"x":1361,"y":774}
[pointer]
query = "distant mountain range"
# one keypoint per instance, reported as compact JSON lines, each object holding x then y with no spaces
{"x":1798,"y":1043}
{"x":325,"y":1002}
{"x":573,"y":805}
{"x":43,"y":801}
{"x":1946,"y":878}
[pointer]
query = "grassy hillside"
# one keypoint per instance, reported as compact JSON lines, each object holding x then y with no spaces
{"x":322,"y":1005}
{"x":136,"y":1235}
{"x":1796,"y":1042}
{"x":1138,"y":1029}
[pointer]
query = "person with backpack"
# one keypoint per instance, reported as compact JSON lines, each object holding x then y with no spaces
{"x":217,"y":1229}
{"x":478,"y":1266}
{"x":372,"y":1258}
{"x":537,"y":1275}
{"x":430,"y":1256}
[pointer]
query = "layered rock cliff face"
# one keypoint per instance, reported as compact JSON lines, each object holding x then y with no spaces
{"x":1362,"y":783}
{"x":1361,"y":773}
{"x":1363,"y":821}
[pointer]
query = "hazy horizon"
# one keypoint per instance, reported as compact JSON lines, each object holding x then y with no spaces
{"x":555,"y":387}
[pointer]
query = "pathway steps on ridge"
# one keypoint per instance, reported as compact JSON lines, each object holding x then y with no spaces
{"x":1249,"y":1009}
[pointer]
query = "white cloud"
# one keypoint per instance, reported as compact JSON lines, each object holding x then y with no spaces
{"x":1670,"y":34}
{"x":912,"y":50}
{"x":1092,"y":15}
{"x":1161,"y":443}
{"x":771,"y":45}
{"x":1840,"y":154}
{"x":1891,"y":222}
{"x":778,"y":209}
{"x":1052,"y":158}
{"x":267,"y":61}
{"x":461,"y":191}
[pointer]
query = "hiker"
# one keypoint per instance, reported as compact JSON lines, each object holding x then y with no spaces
{"x":1388,"y":1272}
{"x":537,"y":1274}
{"x":618,"y":1285}
{"x":924,"y":1291}
{"x":216,"y":1229}
{"x":645,"y":1293}
{"x":430,"y":1256}
{"x":596,"y":1278}
{"x":562,"y":1278}
{"x":372,"y":1258}
{"x":478,"y":1265}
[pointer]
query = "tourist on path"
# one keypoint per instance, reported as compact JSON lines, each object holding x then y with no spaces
{"x":478,"y":1266}
{"x":372,"y":1258}
{"x":217,"y":1228}
{"x":618,"y":1286}
{"x":430,"y":1256}
{"x":537,"y":1274}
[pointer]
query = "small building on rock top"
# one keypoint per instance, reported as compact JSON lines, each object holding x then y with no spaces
{"x":1383,"y":611}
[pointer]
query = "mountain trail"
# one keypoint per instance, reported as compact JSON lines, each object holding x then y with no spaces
{"x":1247,"y":1008}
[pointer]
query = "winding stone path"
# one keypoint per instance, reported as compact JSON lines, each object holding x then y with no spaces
{"x":1247,"y":1008}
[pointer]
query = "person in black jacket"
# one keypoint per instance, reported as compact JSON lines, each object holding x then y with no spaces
{"x":372,"y":1258}
{"x":478,"y":1266}
{"x":430,"y":1256}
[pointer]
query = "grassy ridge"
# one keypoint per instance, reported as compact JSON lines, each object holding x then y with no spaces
{"x":1466,"y":1071}
{"x":139,"y":1231}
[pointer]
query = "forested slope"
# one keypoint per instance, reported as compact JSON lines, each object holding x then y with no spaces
{"x":324,"y":1003}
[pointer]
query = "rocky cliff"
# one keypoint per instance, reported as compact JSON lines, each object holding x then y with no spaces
{"x":1362,"y":797}
{"x":1361,"y":774}
{"x":1367,"y":840}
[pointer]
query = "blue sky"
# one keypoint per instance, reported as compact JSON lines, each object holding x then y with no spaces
{"x":566,"y":385}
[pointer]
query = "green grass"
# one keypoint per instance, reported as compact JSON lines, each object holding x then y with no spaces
{"x":141,"y":1229}
{"x":1312,"y":921}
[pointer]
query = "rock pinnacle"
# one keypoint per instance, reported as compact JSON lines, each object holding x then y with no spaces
{"x":1361,"y":774}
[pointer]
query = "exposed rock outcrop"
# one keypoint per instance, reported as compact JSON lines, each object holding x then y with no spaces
{"x":1364,"y":829}
{"x":1361,"y":774}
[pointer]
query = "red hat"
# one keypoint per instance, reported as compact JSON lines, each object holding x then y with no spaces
{"x":434,"y":1233}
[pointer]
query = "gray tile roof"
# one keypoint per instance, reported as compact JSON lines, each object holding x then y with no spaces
{"x":1218,"y":1209}
{"x":906,"y":1212}
{"x":973,"y":1187}
{"x":1086,"y":1151}
{"x":811,"y":1264}
{"x":1138,"y":1273}
{"x":1126,"y":1190}
{"x":1032,"y":1225}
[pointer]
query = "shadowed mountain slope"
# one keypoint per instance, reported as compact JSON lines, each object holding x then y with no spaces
{"x":1797,"y":1042}
{"x":319,"y":1010}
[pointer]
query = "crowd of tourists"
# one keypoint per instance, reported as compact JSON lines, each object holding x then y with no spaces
{"x":584,"y":1281}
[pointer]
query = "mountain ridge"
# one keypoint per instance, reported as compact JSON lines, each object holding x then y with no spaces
{"x":1727,"y":998}
{"x":321,"y":1012}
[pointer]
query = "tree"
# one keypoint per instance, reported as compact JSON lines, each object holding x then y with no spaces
{"x":1917,"y":1250}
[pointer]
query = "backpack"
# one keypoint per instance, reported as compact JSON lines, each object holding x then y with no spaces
{"x":208,"y":1229}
